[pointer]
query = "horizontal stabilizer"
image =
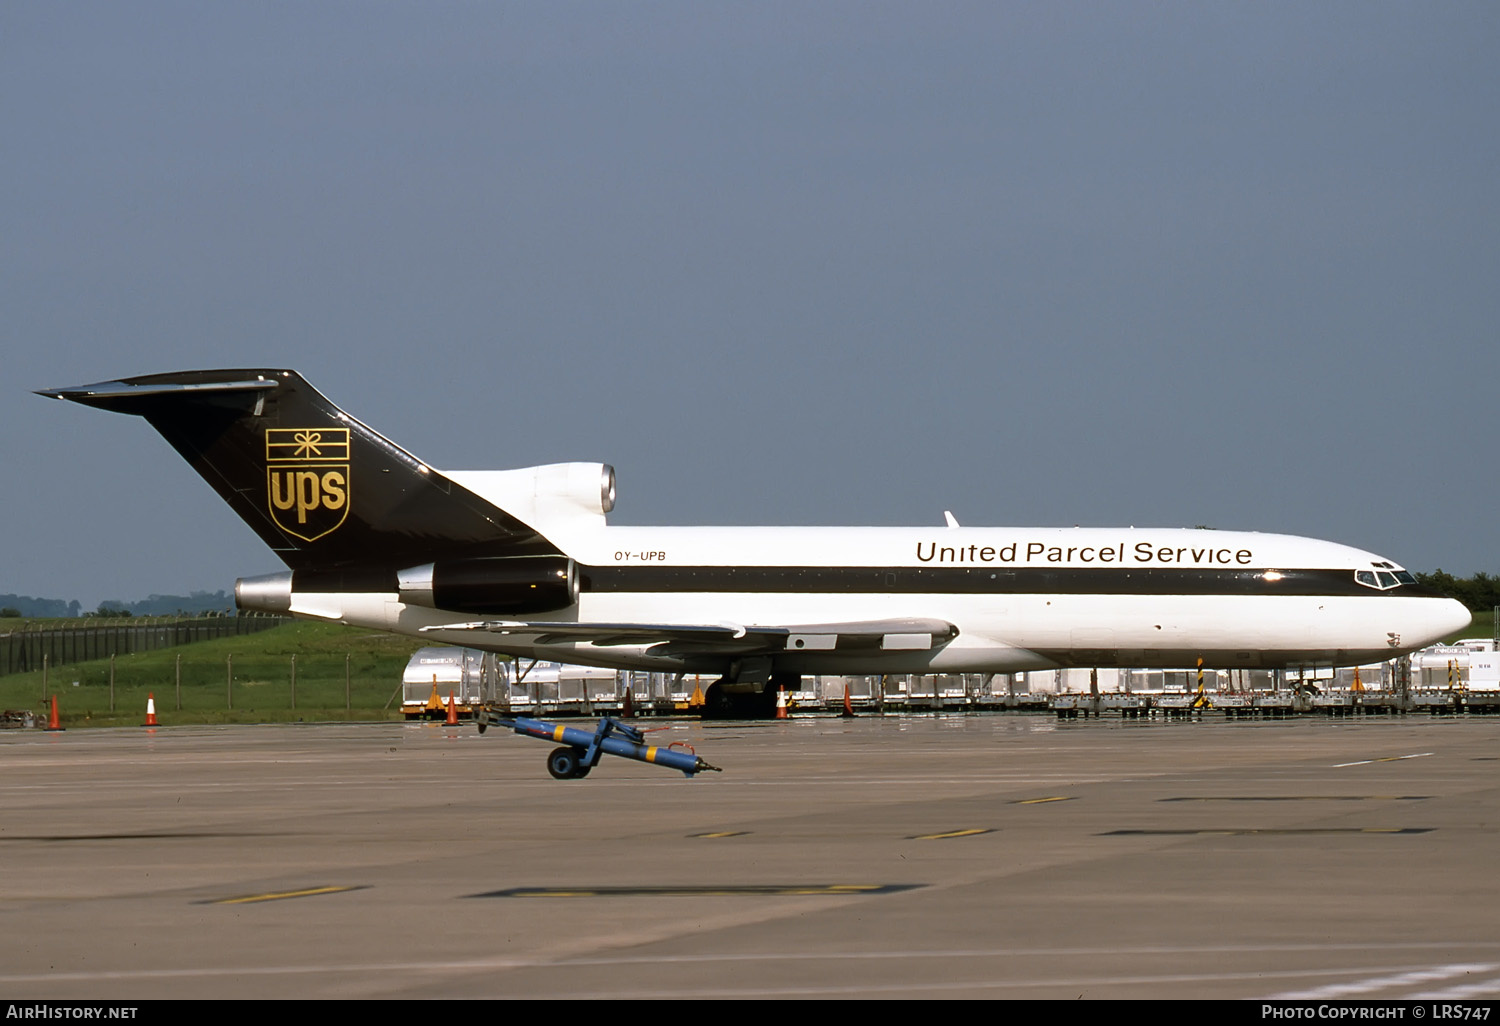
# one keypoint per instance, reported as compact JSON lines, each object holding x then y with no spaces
{"x":122,"y":396}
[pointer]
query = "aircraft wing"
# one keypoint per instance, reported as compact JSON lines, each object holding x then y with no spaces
{"x":889,"y":635}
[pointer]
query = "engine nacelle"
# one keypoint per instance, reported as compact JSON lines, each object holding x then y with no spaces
{"x":558,"y":496}
{"x":516,"y":585}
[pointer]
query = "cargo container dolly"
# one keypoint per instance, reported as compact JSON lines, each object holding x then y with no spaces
{"x":582,"y":750}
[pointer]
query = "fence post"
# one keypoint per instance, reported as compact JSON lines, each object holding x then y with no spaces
{"x":44,"y":677}
{"x":179,"y":681}
{"x":229,"y":675}
{"x":111,"y":682}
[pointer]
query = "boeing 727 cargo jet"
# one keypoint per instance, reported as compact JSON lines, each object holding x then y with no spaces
{"x":523,"y":562}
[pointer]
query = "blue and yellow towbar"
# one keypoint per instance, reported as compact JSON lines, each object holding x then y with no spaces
{"x":582,"y":750}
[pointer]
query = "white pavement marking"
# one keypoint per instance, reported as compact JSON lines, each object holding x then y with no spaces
{"x":1479,"y":988}
{"x":1378,"y":976}
{"x":1393,"y":758}
{"x":1374,"y":983}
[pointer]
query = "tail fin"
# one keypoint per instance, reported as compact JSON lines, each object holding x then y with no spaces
{"x":319,"y":487}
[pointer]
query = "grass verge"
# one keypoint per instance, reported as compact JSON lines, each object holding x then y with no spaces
{"x":245,"y":679}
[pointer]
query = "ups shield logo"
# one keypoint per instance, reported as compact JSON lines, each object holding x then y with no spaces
{"x":307,"y":480}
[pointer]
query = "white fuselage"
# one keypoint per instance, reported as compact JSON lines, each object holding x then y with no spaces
{"x":1021,"y":598}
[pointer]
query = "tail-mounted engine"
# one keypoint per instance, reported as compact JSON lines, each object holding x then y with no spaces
{"x":516,"y":585}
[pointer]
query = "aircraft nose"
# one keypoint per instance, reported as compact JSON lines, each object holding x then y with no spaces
{"x":1455,"y":617}
{"x":1438,"y":618}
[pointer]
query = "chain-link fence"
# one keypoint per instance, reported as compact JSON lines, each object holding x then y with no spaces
{"x":23,"y":650}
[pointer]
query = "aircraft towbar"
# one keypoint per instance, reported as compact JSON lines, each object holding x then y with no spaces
{"x":582,"y":750}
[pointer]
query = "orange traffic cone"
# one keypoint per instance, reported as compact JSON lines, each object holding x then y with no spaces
{"x":452,"y":720}
{"x":627,"y":710}
{"x":781,"y":703}
{"x":53,"y":723}
{"x":151,"y":710}
{"x":848,"y":709}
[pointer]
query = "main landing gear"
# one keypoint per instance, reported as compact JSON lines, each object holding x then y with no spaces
{"x":724,"y":704}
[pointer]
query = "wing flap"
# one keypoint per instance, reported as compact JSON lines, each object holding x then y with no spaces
{"x":916,"y":634}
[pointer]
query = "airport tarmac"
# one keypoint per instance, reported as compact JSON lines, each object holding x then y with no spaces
{"x":996,"y":856}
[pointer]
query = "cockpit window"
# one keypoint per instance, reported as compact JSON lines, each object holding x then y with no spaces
{"x":1383,"y":580}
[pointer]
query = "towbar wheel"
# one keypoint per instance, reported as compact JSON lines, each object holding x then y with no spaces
{"x":566,"y":763}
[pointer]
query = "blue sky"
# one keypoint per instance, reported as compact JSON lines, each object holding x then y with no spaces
{"x":809,"y":263}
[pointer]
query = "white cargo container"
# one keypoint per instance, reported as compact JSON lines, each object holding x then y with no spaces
{"x":470,"y":676}
{"x":1484,"y":671}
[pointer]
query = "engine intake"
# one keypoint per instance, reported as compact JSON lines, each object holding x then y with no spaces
{"x":508,"y":584}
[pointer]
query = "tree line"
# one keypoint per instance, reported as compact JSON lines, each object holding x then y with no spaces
{"x":154,"y":605}
{"x":1480,"y":593}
